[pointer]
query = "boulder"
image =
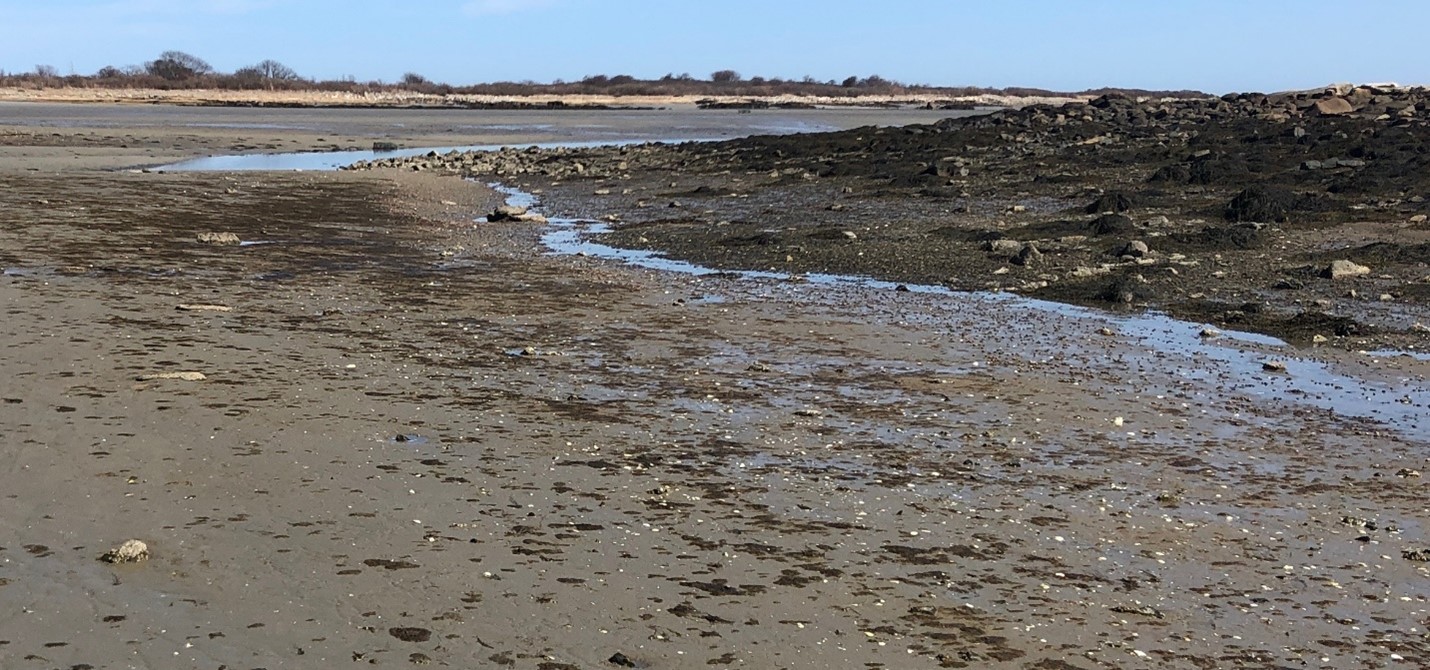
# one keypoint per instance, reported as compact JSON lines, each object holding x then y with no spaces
{"x":514,"y":213}
{"x":1333,"y":107}
{"x":1111,"y":224}
{"x":1136,"y":249}
{"x":1344,"y":269}
{"x":1028,"y":256}
{"x":1263,"y":204}
{"x":1109,"y":202}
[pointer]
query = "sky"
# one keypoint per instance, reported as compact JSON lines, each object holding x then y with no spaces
{"x":1216,"y":46}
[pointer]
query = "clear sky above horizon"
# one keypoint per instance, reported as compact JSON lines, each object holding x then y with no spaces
{"x":1210,"y":45}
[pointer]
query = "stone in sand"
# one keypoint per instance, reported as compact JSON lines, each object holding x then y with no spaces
{"x":190,"y":307}
{"x":132,"y":551}
{"x":181,"y":376}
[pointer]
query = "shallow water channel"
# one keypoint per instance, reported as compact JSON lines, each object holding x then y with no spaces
{"x":1232,"y":361}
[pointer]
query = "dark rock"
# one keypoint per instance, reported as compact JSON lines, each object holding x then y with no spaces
{"x":1028,"y":256}
{"x":1135,"y":249}
{"x":1109,"y":202}
{"x":621,"y":660}
{"x":1111,"y":224}
{"x":1260,"y":203}
{"x":410,"y":634}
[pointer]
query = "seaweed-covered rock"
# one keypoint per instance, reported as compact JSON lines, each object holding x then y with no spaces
{"x":1109,"y":202}
{"x":1260,"y":203}
{"x":1111,"y":224}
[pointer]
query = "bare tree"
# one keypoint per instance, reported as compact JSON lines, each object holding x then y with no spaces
{"x":725,"y":76}
{"x":46,"y":72}
{"x":414,"y":79}
{"x":177,"y":65}
{"x":272,"y":69}
{"x":266,"y":73}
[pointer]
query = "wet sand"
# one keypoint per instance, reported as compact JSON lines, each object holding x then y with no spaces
{"x":424,"y":441}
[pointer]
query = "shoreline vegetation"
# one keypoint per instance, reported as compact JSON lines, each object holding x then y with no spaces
{"x":179,"y":78}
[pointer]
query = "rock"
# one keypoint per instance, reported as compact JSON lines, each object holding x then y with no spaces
{"x":190,"y":307}
{"x":181,"y":376}
{"x":131,"y":551}
{"x":1343,"y":269}
{"x":1106,"y":332}
{"x":410,"y":634}
{"x":227,"y":239}
{"x":619,"y":659}
{"x":1136,"y":249}
{"x":1003,"y":246}
{"x":1208,"y":333}
{"x":849,"y":235}
{"x":1274,"y":366}
{"x":1421,"y":555}
{"x":1111,"y":224}
{"x":1109,"y":202}
{"x":1333,"y":107}
{"x":1028,"y":256}
{"x":1419,"y":218}
{"x":514,"y":213}
{"x":1261,"y":204}
{"x":507,"y":213}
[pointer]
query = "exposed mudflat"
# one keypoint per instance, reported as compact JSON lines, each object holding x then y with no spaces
{"x":1229,"y":211}
{"x":416,"y":439}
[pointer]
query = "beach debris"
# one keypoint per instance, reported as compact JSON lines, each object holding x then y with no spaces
{"x":192,"y":307}
{"x":1106,"y":332}
{"x":1209,"y":332}
{"x":131,"y":551}
{"x":619,"y":659}
{"x":1421,"y":555}
{"x":1274,"y":366}
{"x":227,"y":239}
{"x":187,"y":376}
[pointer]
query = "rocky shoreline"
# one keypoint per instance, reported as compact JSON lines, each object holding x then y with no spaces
{"x":1301,"y":215}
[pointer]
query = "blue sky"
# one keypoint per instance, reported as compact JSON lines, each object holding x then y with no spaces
{"x":1211,"y":45}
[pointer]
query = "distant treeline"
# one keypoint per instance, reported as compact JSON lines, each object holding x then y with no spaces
{"x":176,"y":70}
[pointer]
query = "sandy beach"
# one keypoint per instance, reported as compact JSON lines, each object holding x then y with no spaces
{"x":410,"y":437}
